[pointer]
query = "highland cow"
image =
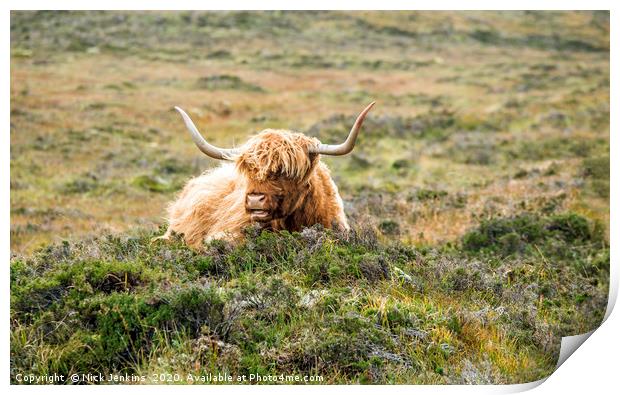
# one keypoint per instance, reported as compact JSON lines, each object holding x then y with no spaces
{"x":275,"y":180}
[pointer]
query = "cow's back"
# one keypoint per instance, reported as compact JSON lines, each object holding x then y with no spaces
{"x":209,"y":206}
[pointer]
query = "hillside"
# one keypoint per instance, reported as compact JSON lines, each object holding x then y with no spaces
{"x":478,"y":191}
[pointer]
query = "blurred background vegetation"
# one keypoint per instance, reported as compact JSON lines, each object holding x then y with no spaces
{"x":478,"y":114}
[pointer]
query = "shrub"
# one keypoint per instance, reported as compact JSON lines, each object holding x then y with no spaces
{"x":389,"y":227}
{"x":226,"y":82}
{"x":313,"y":302}
{"x":515,"y":234}
{"x":598,"y":168}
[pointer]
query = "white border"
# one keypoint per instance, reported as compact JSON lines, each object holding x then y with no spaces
{"x":594,"y":366}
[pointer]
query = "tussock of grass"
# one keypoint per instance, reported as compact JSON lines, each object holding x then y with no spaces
{"x":341,"y":305}
{"x":596,"y":171}
{"x":224,"y":81}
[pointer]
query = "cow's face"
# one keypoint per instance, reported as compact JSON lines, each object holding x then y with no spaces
{"x":276,"y":165}
{"x":274,"y":198}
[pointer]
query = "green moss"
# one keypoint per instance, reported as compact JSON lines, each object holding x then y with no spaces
{"x":152,"y":183}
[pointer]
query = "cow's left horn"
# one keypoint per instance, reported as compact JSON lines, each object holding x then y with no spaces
{"x":347,"y":146}
{"x":202,"y":144}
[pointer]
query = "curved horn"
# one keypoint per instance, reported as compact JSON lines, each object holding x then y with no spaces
{"x":347,"y":146}
{"x":202,"y":144}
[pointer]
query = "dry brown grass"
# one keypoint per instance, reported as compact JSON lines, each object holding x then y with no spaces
{"x":87,"y":92}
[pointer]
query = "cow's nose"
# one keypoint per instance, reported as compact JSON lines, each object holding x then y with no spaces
{"x":255,"y":200}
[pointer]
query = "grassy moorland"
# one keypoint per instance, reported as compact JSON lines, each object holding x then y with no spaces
{"x":479,"y":191}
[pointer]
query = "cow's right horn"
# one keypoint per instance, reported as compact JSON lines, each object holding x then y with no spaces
{"x":347,"y":146}
{"x":202,"y":144}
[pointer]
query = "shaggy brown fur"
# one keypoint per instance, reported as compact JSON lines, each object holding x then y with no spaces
{"x":297,"y":187}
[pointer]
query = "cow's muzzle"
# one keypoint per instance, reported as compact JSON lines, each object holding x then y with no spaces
{"x":256,"y":205}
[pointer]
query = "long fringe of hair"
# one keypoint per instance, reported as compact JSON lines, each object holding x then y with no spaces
{"x":277,"y":152}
